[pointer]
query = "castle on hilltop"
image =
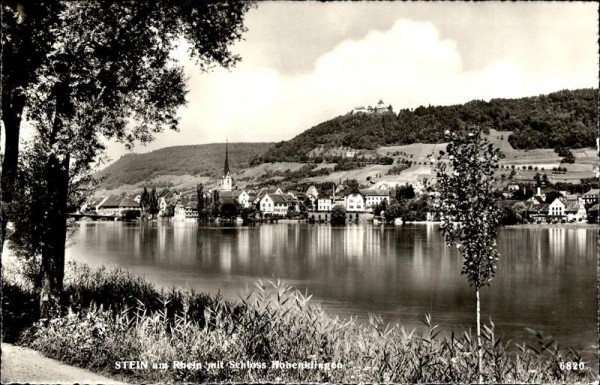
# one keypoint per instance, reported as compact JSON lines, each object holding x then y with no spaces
{"x":379,"y":108}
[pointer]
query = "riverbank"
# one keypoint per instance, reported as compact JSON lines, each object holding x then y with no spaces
{"x":116,"y":317}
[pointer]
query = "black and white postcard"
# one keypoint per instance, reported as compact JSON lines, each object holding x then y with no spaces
{"x":299,"y":192}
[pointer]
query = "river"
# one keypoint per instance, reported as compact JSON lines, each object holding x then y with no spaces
{"x":546,"y":277}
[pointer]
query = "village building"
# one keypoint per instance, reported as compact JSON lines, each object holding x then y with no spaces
{"x":117,"y":206}
{"x":591,"y":196}
{"x":575,"y":211}
{"x":354,"y":202}
{"x":239,"y":196}
{"x":538,"y":211}
{"x":324,"y":204}
{"x":275,"y":204}
{"x":536,"y":200}
{"x":338,"y":201}
{"x":539,"y":195}
{"x":262,"y":192}
{"x":92,"y":205}
{"x":375,"y":197}
{"x":556,"y":208}
{"x":179,"y":212}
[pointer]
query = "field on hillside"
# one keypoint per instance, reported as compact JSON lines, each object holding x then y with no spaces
{"x":417,"y":152}
{"x":410,"y":175}
{"x":324,"y":165}
{"x":375,"y":171}
{"x":544,"y":159}
{"x":586,"y":156}
{"x":553,"y":177}
{"x":262,"y":169}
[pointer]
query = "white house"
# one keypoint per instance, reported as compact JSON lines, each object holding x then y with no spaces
{"x":375,"y":197}
{"x":324,"y":204}
{"x":556,"y":208}
{"x":354,"y":202}
{"x":244,"y":198}
{"x":276,"y":204}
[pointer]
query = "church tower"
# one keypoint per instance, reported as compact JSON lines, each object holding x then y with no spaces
{"x":226,"y":179}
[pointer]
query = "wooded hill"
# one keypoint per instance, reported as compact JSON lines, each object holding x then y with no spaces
{"x":203,"y":159}
{"x":565,"y":119}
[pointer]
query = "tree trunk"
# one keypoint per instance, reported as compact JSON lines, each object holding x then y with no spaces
{"x":479,"y":347}
{"x":53,"y":251}
{"x":11,"y":117}
{"x":55,"y":236}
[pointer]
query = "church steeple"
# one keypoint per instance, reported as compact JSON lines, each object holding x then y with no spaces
{"x":226,"y":168}
{"x":227,"y":182}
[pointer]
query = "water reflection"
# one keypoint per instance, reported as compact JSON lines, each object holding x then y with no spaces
{"x":546,"y":278}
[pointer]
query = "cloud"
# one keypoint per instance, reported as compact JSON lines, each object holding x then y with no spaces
{"x":408,"y":65}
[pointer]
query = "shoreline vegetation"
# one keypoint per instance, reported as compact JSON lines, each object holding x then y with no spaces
{"x":113,"y":316}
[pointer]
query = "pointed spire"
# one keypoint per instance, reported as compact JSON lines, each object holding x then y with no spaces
{"x":226,"y":168}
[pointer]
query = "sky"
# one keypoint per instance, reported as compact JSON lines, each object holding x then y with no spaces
{"x":307,"y":62}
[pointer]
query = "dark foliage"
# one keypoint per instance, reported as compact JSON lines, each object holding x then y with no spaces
{"x":560,"y":119}
{"x":338,"y":215}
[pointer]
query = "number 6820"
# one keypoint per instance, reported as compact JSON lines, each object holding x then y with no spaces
{"x":571,"y":365}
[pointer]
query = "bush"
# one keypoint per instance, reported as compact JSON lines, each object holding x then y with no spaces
{"x":338,"y":215}
{"x":20,"y":309}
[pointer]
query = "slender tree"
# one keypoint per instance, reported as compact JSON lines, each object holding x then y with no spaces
{"x":108,"y":73}
{"x":200,"y":196}
{"x":468,"y":210}
{"x":145,"y":200}
{"x":153,"y":208}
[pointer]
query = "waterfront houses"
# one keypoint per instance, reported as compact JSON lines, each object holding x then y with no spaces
{"x":276,"y":204}
{"x":544,"y":205}
{"x":565,"y":207}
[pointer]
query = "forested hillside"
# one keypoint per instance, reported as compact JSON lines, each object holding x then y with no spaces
{"x":566,"y":119}
{"x":203,"y":159}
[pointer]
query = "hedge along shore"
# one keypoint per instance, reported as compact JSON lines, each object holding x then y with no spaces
{"x":115,"y":317}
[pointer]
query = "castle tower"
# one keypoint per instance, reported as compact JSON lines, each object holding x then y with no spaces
{"x":226,"y":179}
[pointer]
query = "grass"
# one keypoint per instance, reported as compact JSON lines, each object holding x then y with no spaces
{"x":113,"y":316}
